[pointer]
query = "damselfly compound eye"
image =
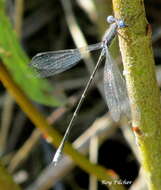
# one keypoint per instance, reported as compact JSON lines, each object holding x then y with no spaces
{"x":121,"y":24}
{"x":111,"y":19}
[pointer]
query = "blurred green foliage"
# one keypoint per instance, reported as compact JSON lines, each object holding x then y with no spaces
{"x":17,"y":62}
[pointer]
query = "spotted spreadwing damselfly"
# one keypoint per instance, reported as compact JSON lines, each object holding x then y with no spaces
{"x":54,"y":62}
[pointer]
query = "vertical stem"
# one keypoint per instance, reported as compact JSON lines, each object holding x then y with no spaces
{"x":6,"y":118}
{"x":19,"y":9}
{"x":143,"y":90}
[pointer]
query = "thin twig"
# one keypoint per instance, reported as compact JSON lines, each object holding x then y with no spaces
{"x":89,"y":7}
{"x":6,"y":118}
{"x":17,"y":128}
{"x":93,"y":154}
{"x":19,"y":9}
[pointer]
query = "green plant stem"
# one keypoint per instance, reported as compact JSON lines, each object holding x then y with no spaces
{"x":38,"y":119}
{"x":139,"y":67}
{"x":6,"y":181}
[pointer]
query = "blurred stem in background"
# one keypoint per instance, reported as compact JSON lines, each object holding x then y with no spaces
{"x":6,"y":118}
{"x":103,"y":10}
{"x":18,"y":16}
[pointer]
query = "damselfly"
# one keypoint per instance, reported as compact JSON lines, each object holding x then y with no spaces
{"x":54,"y":62}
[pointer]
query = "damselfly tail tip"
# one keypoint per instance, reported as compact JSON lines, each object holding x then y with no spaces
{"x":57,"y":157}
{"x":54,"y":162}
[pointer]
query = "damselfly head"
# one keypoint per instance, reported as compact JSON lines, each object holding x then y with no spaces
{"x":120,"y":23}
{"x":111,"y":19}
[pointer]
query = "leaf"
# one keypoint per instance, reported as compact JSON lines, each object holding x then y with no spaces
{"x":17,"y":62}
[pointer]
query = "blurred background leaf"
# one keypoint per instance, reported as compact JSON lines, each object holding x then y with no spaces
{"x":17,"y":62}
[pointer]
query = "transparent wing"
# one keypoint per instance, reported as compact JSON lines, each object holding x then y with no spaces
{"x":115,"y":89}
{"x":54,"y":62}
